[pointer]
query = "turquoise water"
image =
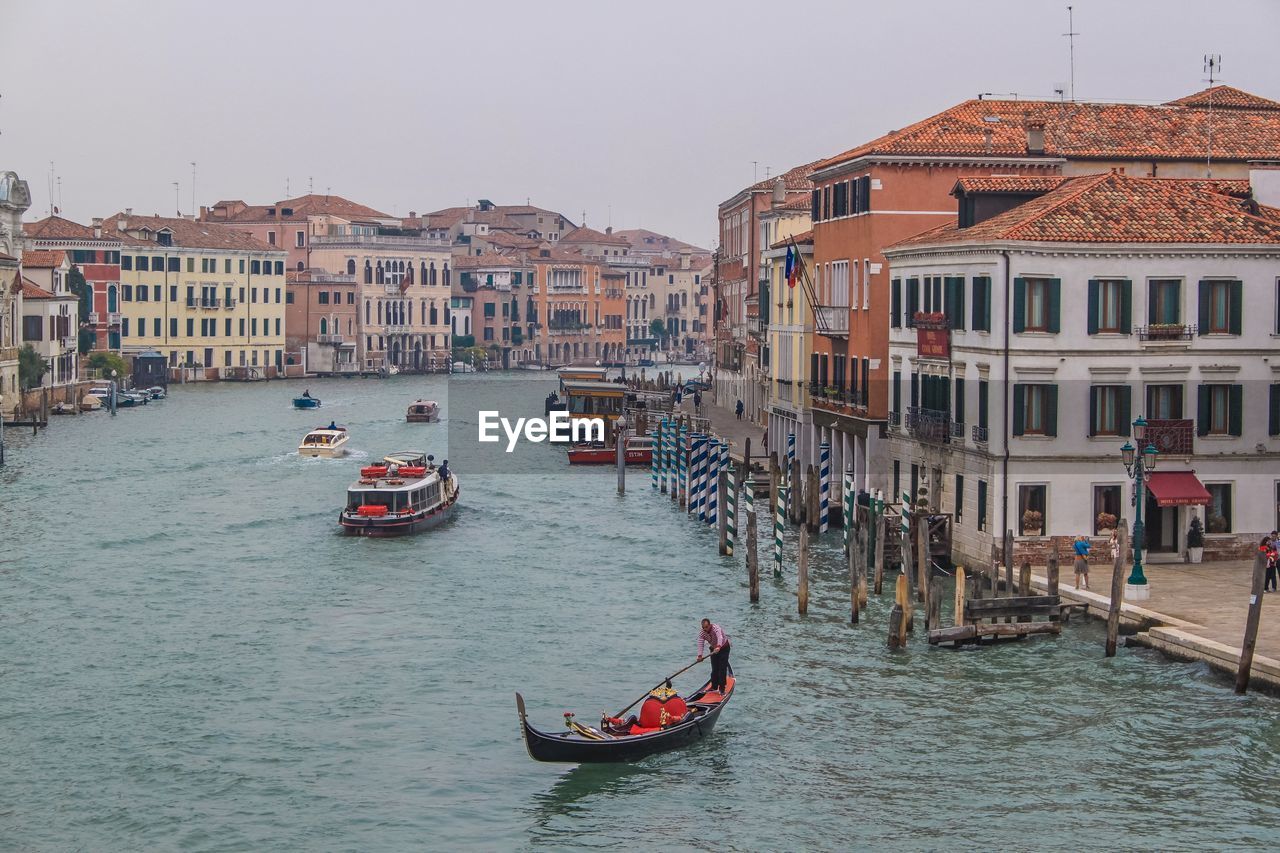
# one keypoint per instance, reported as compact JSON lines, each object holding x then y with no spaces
{"x":192,"y":659}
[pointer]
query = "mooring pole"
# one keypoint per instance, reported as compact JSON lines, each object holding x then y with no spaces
{"x":1251,"y":623}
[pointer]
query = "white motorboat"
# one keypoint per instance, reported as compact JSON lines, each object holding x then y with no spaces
{"x":328,"y":442}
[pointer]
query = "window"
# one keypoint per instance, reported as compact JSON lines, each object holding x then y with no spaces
{"x":142,"y":293}
{"x":191,"y":329}
{"x":1106,"y":501}
{"x":1164,"y":302}
{"x":1035,"y":305}
{"x":1109,"y":409}
{"x":157,"y":264}
{"x":1035,"y":410}
{"x":173,"y":264}
{"x":142,"y":263}
{"x":173,"y":293}
{"x":158,"y":293}
{"x":1110,"y":307}
{"x":1032,"y":517}
{"x":155,"y":327}
{"x":913,"y":302}
{"x":953,"y":305}
{"x":351,"y":297}
{"x":124,"y":325}
{"x":1218,"y":513}
{"x":1273,"y":411}
{"x":271,"y":238}
{"x":322,"y":297}
{"x":959,"y":499}
{"x":126,"y":293}
{"x":895,"y":303}
{"x":226,"y":266}
{"x":288,"y":298}
{"x":299,"y":239}
{"x":957,"y":414}
{"x":277,"y":268}
{"x":242,"y":267}
{"x":1220,"y":307}
{"x":1164,"y":402}
{"x":255,"y":267}
{"x":1220,"y":409}
{"x":126,"y":262}
{"x":982,"y":505}
{"x":173,"y":327}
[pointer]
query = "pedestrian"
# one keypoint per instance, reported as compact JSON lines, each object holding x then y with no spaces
{"x":697,"y":403}
{"x":715,"y":637}
{"x":1081,"y":546}
{"x":1267,"y":547}
{"x":738,"y":409}
{"x":1113,"y":543}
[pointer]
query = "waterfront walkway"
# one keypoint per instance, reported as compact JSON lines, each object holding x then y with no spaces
{"x":726,"y":425}
{"x":1196,"y":612}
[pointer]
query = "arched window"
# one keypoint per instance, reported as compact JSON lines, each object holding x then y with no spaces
{"x":447,"y":282}
{"x":351,"y":266}
{"x":410,"y":304}
{"x":301,"y":266}
{"x":379,"y":275}
{"x":368,"y":276}
{"x":408,"y":275}
{"x":433,"y":272}
{"x":379,"y":312}
{"x":324,"y":326}
{"x":111,"y":299}
{"x":424,"y":278}
{"x":434,"y":314}
{"x":366,"y":312}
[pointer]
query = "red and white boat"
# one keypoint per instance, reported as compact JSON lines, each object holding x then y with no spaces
{"x":638,"y":451}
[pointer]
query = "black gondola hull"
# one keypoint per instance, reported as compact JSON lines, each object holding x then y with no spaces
{"x":575,"y":749}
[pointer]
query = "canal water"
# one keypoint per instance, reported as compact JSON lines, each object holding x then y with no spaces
{"x":192,"y":659}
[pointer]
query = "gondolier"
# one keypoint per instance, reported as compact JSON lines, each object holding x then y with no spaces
{"x":715,"y":637}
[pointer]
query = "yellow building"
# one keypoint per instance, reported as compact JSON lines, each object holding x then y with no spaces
{"x":790,"y":325}
{"x":208,"y":297}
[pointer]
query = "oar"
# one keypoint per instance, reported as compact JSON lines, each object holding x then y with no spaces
{"x":656,"y":686}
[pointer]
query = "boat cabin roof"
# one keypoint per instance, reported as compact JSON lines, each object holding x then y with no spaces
{"x":584,"y":372}
{"x":595,"y":389}
{"x":395,"y":484}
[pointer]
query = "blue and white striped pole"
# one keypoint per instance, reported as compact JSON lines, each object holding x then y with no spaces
{"x":664,"y":455}
{"x":791,"y":457}
{"x":697,"y":465}
{"x":712,"y":514}
{"x":824,"y":486}
{"x":655,"y":454}
{"x":850,"y":507}
{"x":732,"y":507}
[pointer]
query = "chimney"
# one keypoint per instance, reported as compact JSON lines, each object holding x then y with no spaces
{"x":1035,"y":138}
{"x":413,"y":214}
{"x":122,"y":224}
{"x":97,"y":227}
{"x":608,"y":229}
{"x":1264,"y":181}
{"x":779,"y":193}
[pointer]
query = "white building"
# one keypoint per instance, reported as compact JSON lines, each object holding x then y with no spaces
{"x":15,"y":197}
{"x":1026,"y":338}
{"x":50,"y":315}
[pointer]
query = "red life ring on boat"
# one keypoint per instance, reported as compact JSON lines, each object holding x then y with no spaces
{"x":371,"y":510}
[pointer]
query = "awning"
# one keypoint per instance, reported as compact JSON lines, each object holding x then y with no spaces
{"x":1177,"y":488}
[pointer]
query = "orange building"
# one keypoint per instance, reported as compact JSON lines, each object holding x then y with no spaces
{"x":580,"y":305}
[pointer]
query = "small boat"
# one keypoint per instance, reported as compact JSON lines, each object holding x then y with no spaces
{"x":306,"y":401}
{"x":404,"y":493}
{"x":423,"y":412}
{"x":463,"y":367}
{"x":157,"y":392}
{"x":638,"y":451}
{"x":328,"y":442}
{"x":63,"y":409}
{"x":645,"y":362}
{"x":665,"y":722}
{"x":387,"y":371}
{"x":90,"y":403}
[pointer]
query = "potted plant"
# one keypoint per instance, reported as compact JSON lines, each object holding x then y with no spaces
{"x":1106,"y":523}
{"x":1164,"y":331}
{"x":1032,"y":522}
{"x":1195,"y":540}
{"x":1217,"y":524}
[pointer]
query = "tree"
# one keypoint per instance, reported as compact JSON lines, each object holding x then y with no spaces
{"x":77,"y":285}
{"x":31,"y":367}
{"x":659,"y":330}
{"x":107,"y":362}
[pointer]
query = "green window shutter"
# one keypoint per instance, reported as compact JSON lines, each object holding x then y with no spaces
{"x":1204,"y":309}
{"x":895,"y":301}
{"x":1151,"y":304}
{"x":1123,"y":409}
{"x":1019,"y":405}
{"x":1237,"y":292}
{"x":1051,"y":410}
{"x":897,"y":391}
{"x":915,"y":390}
{"x":986,"y":304}
{"x":983,"y":398}
{"x":957,"y":316}
{"x":1273,"y":410}
{"x":1055,"y":305}
{"x":1093,"y":307}
{"x":1093,"y":408}
{"x":913,"y":302}
{"x":1235,"y":415}
{"x":1019,"y":306}
{"x":1202,"y":406}
{"x":959,"y":408}
{"x":1126,"y":307}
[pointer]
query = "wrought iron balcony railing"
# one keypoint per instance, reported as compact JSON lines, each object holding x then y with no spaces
{"x":1172,"y":437}
{"x":929,"y":425}
{"x":979,"y":434}
{"x":1166,"y":332}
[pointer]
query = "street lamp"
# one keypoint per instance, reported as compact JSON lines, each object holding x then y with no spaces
{"x":620,"y":451}
{"x":1137,"y":465}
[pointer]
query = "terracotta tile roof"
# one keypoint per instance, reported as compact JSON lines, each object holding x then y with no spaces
{"x":590,"y":235}
{"x":1008,"y":184}
{"x":804,"y":238}
{"x":186,"y":234}
{"x":491,"y":261}
{"x":1114,"y":208}
{"x":980,"y":128}
{"x":31,"y":290}
{"x":794,"y":180}
{"x":57,"y":228}
{"x":510,"y":240}
{"x":311,"y":204}
{"x":1225,"y":97}
{"x":644,"y":241}
{"x":43,"y":258}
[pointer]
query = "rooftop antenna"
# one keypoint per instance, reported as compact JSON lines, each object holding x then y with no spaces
{"x":177,"y":205}
{"x":52,"y":206}
{"x":286,"y":187}
{"x":1071,"y":48}
{"x":193,"y":186}
{"x":1213,"y":67}
{"x":311,"y":185}
{"x":59,"y":193}
{"x":768,"y":171}
{"x":755,"y":171}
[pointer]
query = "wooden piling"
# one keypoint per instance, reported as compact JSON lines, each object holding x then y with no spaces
{"x":722,"y":515}
{"x":1256,"y":594}
{"x":753,"y":558}
{"x":1024,"y":583}
{"x":855,"y":539}
{"x":1008,"y":562}
{"x":794,"y":492}
{"x":1117,"y":589}
{"x":933,"y":616}
{"x":802,"y":571}
{"x":774,"y":476}
{"x":924,"y":565}
{"x":896,"y":629}
{"x":1051,"y":575}
{"x":879,"y":554}
{"x":814,"y":494}
{"x":960,"y":596}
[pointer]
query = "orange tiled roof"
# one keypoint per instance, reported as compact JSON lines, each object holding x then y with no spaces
{"x":979,"y":128}
{"x":590,"y":235}
{"x":1115,"y":208}
{"x":1009,"y":184}
{"x":57,"y":228}
{"x":804,"y":238}
{"x":31,"y":290}
{"x":43,"y":258}
{"x":795,"y":179}
{"x":1225,"y":97}
{"x":186,"y":233}
{"x":643,"y":240}
{"x":311,"y":204}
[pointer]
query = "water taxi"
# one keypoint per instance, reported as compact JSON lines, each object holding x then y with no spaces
{"x":328,"y":442}
{"x":404,"y":493}
{"x":306,"y":401}
{"x":423,"y":412}
{"x":637,"y":451}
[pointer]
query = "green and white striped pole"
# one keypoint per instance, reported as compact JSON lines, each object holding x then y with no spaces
{"x":779,"y":519}
{"x":849,"y":509}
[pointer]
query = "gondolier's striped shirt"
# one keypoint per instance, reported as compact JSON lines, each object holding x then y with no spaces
{"x":715,"y":637}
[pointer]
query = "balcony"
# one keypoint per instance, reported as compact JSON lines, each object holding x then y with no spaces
{"x":629,"y":261}
{"x":211,"y":302}
{"x":389,"y":240}
{"x":93,"y":318}
{"x":979,"y":434}
{"x":69,"y":343}
{"x":230,"y":303}
{"x":1172,"y":437}
{"x":929,"y":425}
{"x":895,"y":420}
{"x":329,"y":339}
{"x":193,"y":302}
{"x":1166,"y":332}
{"x":852,"y":403}
{"x":113,"y":319}
{"x":395,"y":330}
{"x":832,"y":320}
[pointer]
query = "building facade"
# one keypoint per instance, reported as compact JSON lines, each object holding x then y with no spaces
{"x":1025,"y":339}
{"x":322,"y":321}
{"x":50,"y":315}
{"x":97,"y":257}
{"x":15,"y":198}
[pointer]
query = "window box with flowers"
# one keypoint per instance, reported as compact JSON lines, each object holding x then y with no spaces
{"x":1032,"y":523}
{"x":1106,"y":523}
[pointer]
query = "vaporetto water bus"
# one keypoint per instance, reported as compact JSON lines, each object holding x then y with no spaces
{"x":405,"y":493}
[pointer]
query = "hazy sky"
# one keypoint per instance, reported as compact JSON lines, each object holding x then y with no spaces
{"x":646,"y":114}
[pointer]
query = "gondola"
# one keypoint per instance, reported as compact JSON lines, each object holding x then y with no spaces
{"x":581,"y":744}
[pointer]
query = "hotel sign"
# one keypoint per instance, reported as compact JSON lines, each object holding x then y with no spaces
{"x":933,"y":336}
